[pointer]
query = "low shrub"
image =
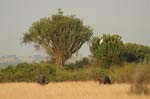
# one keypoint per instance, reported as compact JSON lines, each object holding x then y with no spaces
{"x":122,"y":74}
{"x":78,"y":64}
{"x":82,"y":74}
{"x":25,"y":72}
{"x":141,"y":79}
{"x":28,"y":73}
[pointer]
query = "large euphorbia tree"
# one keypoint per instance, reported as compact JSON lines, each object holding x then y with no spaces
{"x":108,"y":48}
{"x":60,"y":35}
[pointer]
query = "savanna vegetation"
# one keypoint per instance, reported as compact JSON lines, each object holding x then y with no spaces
{"x":67,"y":90}
{"x":61,"y":36}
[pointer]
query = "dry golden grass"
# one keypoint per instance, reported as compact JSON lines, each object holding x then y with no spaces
{"x":66,"y":90}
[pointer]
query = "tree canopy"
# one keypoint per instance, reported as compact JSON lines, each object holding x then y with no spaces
{"x":108,"y":48}
{"x":136,"y":52}
{"x":60,"y":35}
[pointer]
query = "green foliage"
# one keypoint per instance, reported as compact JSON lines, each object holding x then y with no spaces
{"x":83,"y":74}
{"x":136,"y":52}
{"x":78,"y":64}
{"x":26,"y":72}
{"x":108,"y":49}
{"x":60,"y":35}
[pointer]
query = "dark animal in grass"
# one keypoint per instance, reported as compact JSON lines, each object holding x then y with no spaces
{"x":41,"y":79}
{"x":104,"y":79}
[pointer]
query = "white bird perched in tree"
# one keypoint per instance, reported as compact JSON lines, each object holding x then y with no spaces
{"x":101,"y":41}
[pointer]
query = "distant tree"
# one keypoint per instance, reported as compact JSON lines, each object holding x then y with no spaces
{"x":108,"y":49}
{"x":60,"y":35}
{"x":136,"y":52}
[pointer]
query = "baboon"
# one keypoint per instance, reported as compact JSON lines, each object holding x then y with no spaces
{"x":41,"y":79}
{"x":104,"y":79}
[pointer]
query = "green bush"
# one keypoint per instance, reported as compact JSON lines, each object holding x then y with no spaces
{"x":25,"y":72}
{"x":78,"y":64}
{"x":82,"y":74}
{"x":28,"y":72}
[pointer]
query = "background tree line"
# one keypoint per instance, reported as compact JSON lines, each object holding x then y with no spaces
{"x":62,"y":35}
{"x":110,"y":49}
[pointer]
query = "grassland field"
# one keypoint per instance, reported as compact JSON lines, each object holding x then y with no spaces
{"x":67,"y":90}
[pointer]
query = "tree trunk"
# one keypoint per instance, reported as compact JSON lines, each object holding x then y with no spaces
{"x":60,"y":62}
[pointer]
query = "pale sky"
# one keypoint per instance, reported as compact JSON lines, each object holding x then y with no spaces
{"x":128,"y":18}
